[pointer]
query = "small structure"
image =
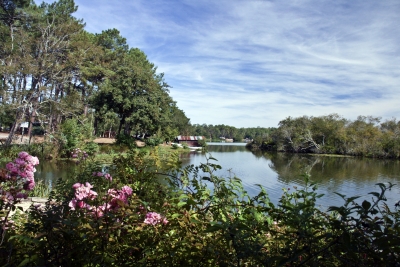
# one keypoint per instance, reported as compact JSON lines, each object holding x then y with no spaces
{"x":192,"y":141}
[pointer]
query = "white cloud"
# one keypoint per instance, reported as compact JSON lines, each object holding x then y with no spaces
{"x":253,"y":63}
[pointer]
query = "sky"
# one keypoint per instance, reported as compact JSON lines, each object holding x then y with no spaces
{"x":250,"y":63}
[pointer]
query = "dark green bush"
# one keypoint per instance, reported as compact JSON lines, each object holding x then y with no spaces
{"x":125,"y":140}
{"x":153,"y":141}
{"x":91,"y":148}
{"x":211,"y":222}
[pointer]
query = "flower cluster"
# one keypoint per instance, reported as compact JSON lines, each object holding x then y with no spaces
{"x":107,"y":176}
{"x":18,"y":177}
{"x":116,"y":198}
{"x":79,"y":154}
{"x":84,"y":193}
{"x":154,"y":218}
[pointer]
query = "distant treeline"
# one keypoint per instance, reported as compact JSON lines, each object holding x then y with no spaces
{"x":216,"y":132}
{"x":333,"y":134}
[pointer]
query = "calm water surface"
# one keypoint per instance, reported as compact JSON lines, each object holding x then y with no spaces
{"x":348,"y":176}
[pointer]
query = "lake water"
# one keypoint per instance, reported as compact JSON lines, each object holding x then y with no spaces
{"x":346,"y":175}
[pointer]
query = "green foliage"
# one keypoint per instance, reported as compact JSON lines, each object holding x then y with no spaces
{"x":125,"y":140}
{"x":10,"y":152}
{"x":214,"y":132}
{"x":202,"y":143}
{"x":212,"y":221}
{"x":332,"y":134}
{"x":70,"y":136}
{"x":91,"y":148}
{"x":41,"y":189}
{"x":153,"y":141}
{"x":175,"y":146}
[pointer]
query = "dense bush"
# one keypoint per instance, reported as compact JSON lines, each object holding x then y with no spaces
{"x":125,"y":140}
{"x":147,"y":211}
{"x":202,"y":143}
{"x":153,"y":141}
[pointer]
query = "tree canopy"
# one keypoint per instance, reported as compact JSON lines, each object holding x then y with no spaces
{"x":52,"y":69}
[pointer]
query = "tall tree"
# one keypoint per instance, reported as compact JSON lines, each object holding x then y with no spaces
{"x":41,"y":61}
{"x":135,"y":92}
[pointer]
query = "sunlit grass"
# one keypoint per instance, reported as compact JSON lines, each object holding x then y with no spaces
{"x":41,"y":189}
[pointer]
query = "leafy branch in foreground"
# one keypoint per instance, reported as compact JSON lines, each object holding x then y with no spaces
{"x":155,"y":213}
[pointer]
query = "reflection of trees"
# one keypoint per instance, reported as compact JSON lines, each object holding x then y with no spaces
{"x":50,"y":171}
{"x":226,"y":148}
{"x":258,"y":153}
{"x":290,"y":167}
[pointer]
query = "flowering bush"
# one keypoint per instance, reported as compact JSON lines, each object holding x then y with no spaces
{"x":16,"y":180}
{"x":154,"y":218}
{"x":79,"y":155}
{"x":137,"y":219}
{"x":107,"y":176}
{"x":83,"y":193}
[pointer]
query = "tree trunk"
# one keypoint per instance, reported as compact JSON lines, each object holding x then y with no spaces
{"x":12,"y":130}
{"x":122,"y":122}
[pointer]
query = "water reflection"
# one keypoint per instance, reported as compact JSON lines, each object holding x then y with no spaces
{"x":346,"y":175}
{"x":50,"y":171}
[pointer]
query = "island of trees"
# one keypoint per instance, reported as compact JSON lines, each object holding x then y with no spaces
{"x":333,"y":134}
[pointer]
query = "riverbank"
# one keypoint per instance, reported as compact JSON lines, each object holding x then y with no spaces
{"x":18,"y":139}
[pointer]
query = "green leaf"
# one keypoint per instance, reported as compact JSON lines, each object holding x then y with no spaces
{"x":180,"y":204}
{"x":175,"y":215}
{"x":366,"y":205}
{"x":214,"y":228}
{"x":374,"y":194}
{"x":350,"y":199}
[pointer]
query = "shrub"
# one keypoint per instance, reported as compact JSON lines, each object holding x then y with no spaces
{"x":202,"y":143}
{"x":132,"y":217}
{"x":125,"y":140}
{"x":153,"y":141}
{"x":175,"y":146}
{"x":91,"y":148}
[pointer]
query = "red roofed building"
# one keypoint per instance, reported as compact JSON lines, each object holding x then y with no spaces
{"x":189,"y":140}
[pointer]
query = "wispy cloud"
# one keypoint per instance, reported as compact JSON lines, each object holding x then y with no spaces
{"x":253,"y":63}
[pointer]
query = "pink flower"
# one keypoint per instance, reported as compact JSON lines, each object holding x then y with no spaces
{"x":21,"y":195}
{"x":20,"y":161}
{"x":28,"y":186}
{"x":10,"y":166}
{"x":72,"y":204}
{"x":127,"y":190}
{"x":23,"y":155}
{"x":107,"y":176}
{"x":34,"y":161}
{"x":80,"y":204}
{"x":154,"y":218}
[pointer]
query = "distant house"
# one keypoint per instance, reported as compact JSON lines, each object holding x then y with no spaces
{"x":189,"y":140}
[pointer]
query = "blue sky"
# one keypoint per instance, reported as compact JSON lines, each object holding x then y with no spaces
{"x":249,"y":63}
